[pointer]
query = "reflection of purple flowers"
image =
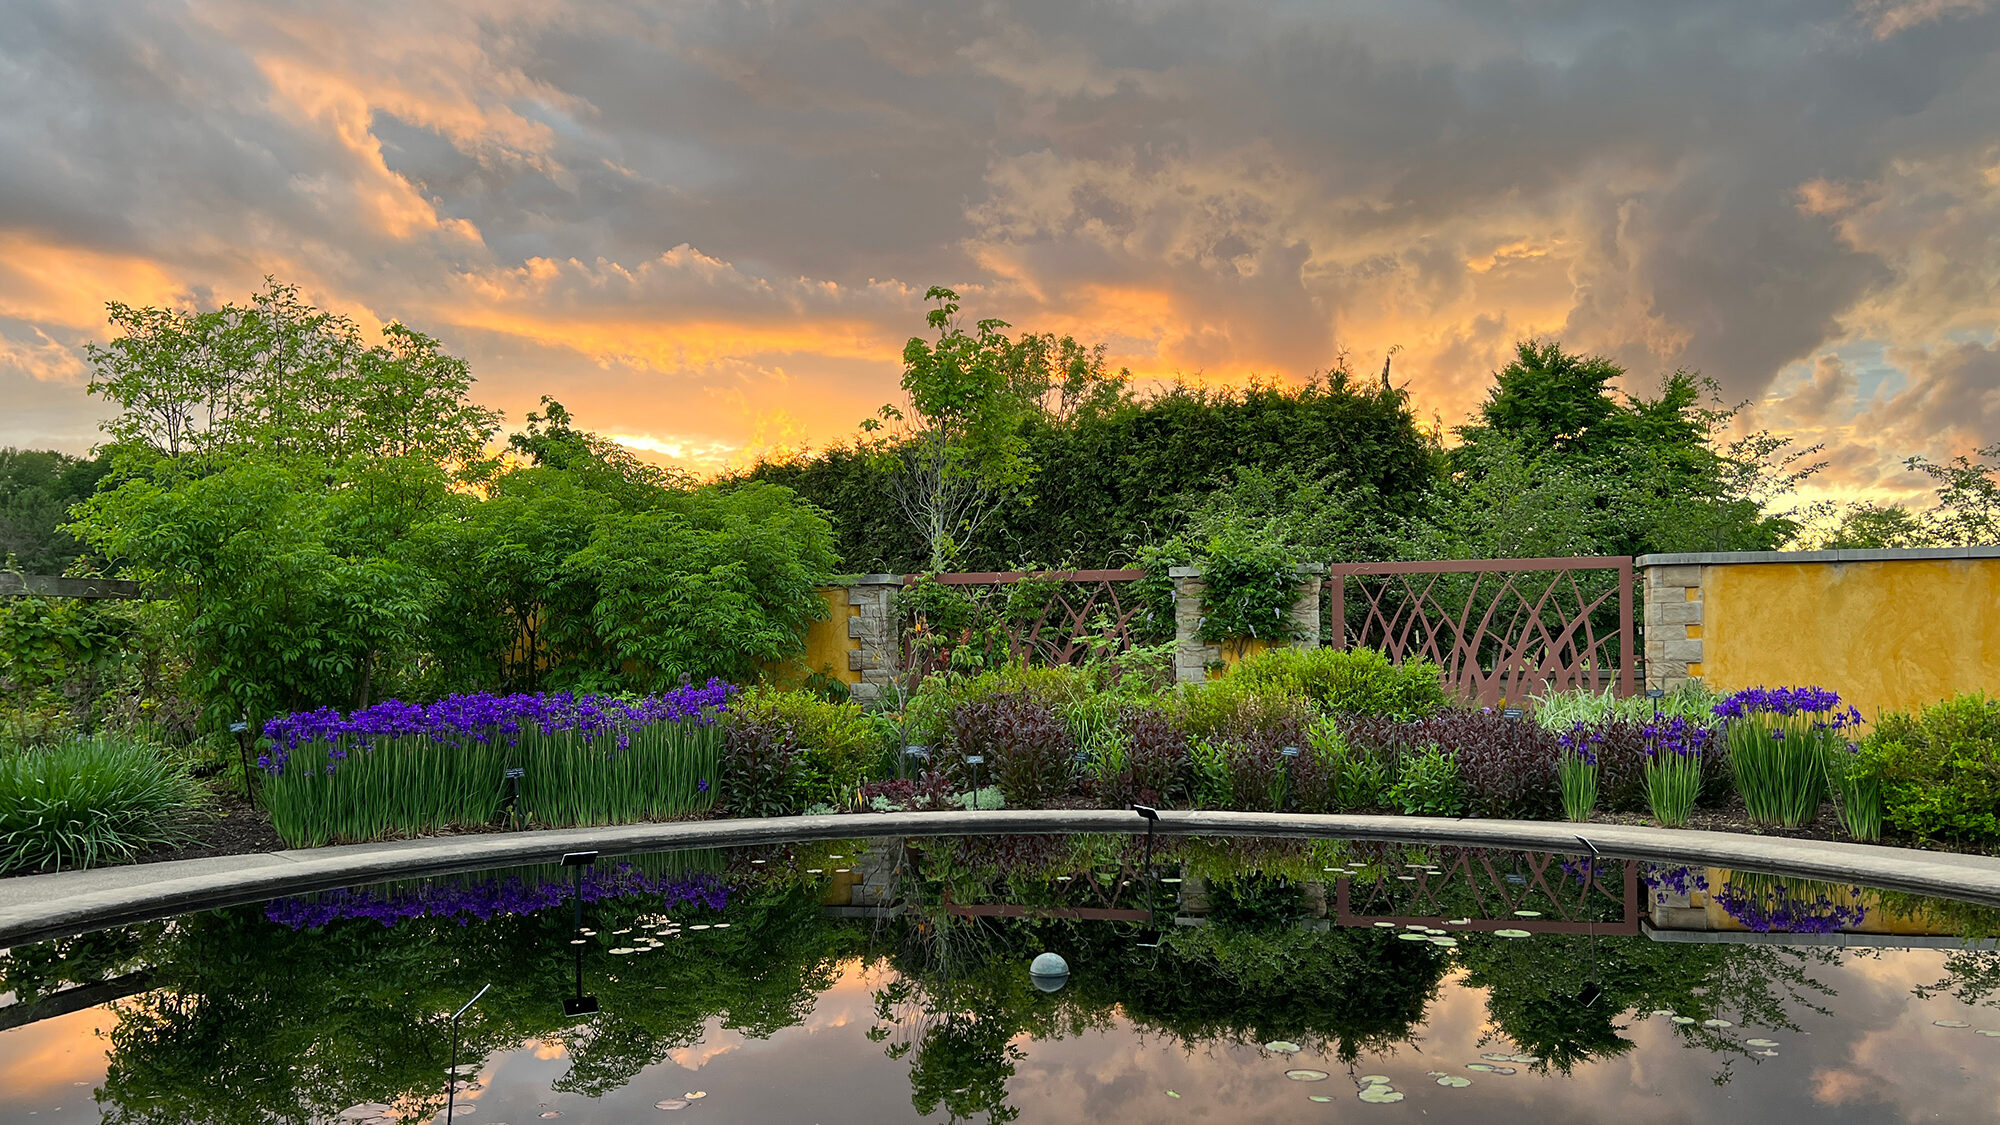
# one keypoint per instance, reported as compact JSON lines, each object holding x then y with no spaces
{"x":514,"y":894}
{"x":1666,"y":882}
{"x":462,"y":720}
{"x":1788,"y":909}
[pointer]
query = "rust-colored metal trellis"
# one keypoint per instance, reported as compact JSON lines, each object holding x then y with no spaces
{"x":1502,"y":629}
{"x":1084,"y":612}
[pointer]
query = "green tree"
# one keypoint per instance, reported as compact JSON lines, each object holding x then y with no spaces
{"x":1872,"y":527}
{"x":961,"y":453}
{"x":37,"y":487}
{"x":1967,"y":511}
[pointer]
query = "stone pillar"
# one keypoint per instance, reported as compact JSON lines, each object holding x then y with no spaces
{"x":1673,"y":624}
{"x":874,"y":638}
{"x":1193,"y":657}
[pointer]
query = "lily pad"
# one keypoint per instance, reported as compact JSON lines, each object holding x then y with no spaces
{"x":1527,"y":914}
{"x":553,"y":1113}
{"x":1661,"y":1012}
{"x":1482,"y":1067}
{"x":1454,"y":1081}
{"x":1373,"y":1080}
{"x":1949,"y":1023}
{"x":623,"y":950}
{"x":671,"y":1103}
{"x":1445,"y":942}
{"x":1414,"y":936}
{"x":1306,"y":1075}
{"x":1989,"y":1032}
{"x":1281,"y":1047}
{"x":1380,"y":1095}
{"x":1458,"y":921}
{"x":364,"y":1110}
{"x":1683,"y":1020}
{"x":1768,"y":1054}
{"x":1407,"y":878}
{"x":1512,"y":933}
{"x":695,"y":1095}
{"x":1318,"y":1098}
{"x":1385,"y":925}
{"x":1717,"y":1023}
{"x":1760,"y":1042}
{"x":1173,"y":1093}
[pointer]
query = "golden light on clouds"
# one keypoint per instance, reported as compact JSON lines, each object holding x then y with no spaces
{"x":711,"y":233}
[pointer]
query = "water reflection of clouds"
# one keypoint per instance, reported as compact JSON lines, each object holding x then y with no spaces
{"x":39,"y":1061}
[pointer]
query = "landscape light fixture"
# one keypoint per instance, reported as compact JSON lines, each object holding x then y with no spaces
{"x":578,"y":1004}
{"x":243,"y":740}
{"x":451,"y":1076}
{"x":975,"y":760}
{"x":514,"y":775}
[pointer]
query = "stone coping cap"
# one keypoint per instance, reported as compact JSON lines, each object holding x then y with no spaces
{"x":1911,"y":554}
{"x":37,"y":907}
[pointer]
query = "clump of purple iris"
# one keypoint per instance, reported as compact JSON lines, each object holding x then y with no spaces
{"x":463,"y":720}
{"x":479,"y":900}
{"x":1787,"y":702}
{"x":1787,"y":908}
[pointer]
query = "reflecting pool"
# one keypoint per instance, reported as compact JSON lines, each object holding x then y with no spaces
{"x":874,"y":981}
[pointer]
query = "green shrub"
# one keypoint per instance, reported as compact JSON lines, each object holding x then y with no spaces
{"x":1209,"y":709}
{"x":1427,"y":784}
{"x":1940,"y":769}
{"x":1249,"y":588}
{"x":1357,"y":681}
{"x":90,"y":802}
{"x":838,"y":742}
{"x":1337,"y":775}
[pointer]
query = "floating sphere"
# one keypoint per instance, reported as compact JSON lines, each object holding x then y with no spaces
{"x":1048,"y":965}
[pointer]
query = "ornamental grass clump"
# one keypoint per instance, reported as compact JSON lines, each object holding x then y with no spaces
{"x":1675,"y":754}
{"x":1777,"y":739}
{"x":91,"y":802}
{"x":1576,"y":772}
{"x":401,"y":768}
{"x":1856,"y":788}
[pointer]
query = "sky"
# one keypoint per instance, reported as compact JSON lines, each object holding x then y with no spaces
{"x":708,"y":227}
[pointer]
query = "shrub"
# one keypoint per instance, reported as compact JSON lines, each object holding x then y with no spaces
{"x":837,"y":741}
{"x":1939,"y":769}
{"x":1233,"y":706}
{"x":761,"y":765}
{"x":1335,"y":775}
{"x":1428,"y":784}
{"x":1505,"y":767}
{"x":1249,"y":589}
{"x":1156,"y":760}
{"x":90,"y":802}
{"x":1027,"y":747}
{"x":926,"y":792}
{"x":1357,"y":681}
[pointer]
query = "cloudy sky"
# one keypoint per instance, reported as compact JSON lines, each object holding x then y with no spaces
{"x":708,"y":227}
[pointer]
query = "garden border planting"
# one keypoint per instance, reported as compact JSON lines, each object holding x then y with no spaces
{"x":38,"y":907}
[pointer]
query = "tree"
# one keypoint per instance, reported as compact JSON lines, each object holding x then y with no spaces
{"x":37,"y":487}
{"x":1872,"y":527}
{"x":961,"y":453}
{"x":1967,"y":512}
{"x":278,"y":377}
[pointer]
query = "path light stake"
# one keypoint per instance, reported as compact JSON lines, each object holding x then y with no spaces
{"x":1152,"y":816}
{"x":243,"y":739}
{"x":1591,"y":989}
{"x":579,"y":1004}
{"x":974,"y":761}
{"x":514,"y":776}
{"x":1285,"y":782}
{"x":451,"y":1076}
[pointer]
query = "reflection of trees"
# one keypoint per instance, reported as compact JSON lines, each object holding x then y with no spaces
{"x":253,"y":1022}
{"x":1536,"y":990}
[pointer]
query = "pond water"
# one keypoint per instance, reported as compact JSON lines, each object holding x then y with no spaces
{"x":877,"y":981}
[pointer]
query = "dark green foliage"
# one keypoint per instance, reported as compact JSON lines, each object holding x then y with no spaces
{"x":91,"y":802}
{"x":1504,"y":767}
{"x":1112,"y":478}
{"x":838,"y":741}
{"x":1248,"y":590}
{"x":1428,"y":784}
{"x":37,"y":487}
{"x":1940,"y":769}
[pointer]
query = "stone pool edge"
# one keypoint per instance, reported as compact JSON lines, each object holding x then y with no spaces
{"x":37,"y":907}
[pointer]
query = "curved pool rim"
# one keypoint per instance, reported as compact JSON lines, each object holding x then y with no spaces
{"x":38,"y":907}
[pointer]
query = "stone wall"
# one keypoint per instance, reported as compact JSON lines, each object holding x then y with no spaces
{"x":1194,"y":658}
{"x":1888,"y":630}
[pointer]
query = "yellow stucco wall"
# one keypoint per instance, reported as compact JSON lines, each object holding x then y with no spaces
{"x":1893,"y":635}
{"x":1875,"y":919}
{"x":827,"y":644}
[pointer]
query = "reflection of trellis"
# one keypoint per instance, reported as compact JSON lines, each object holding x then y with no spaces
{"x":1502,"y":629}
{"x":1569,"y":894}
{"x":1084,"y":612}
